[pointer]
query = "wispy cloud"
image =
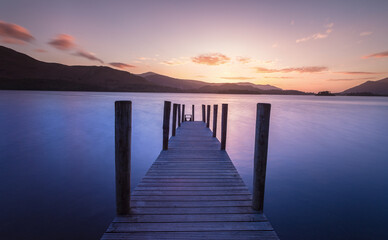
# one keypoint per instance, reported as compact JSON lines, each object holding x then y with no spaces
{"x":348,"y":79}
{"x":121,"y":65}
{"x":39,"y":50}
{"x":88,"y":55}
{"x":237,"y":78}
{"x":358,"y":73}
{"x":319,"y":35}
{"x":311,"y":69}
{"x":175,"y":62}
{"x":200,"y":76}
{"x":66,"y":42}
{"x":211,"y":59}
{"x":377,"y":55}
{"x":363,"y":34}
{"x":14,"y":34}
{"x":63,"y":42}
{"x":244,"y":59}
{"x":279,"y":77}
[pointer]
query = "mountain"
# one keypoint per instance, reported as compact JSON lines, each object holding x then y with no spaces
{"x":21,"y":72}
{"x":166,"y":81}
{"x":259,"y":86}
{"x":379,"y":87}
{"x":185,"y":84}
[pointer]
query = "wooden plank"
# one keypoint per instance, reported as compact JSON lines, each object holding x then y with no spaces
{"x":189,"y":188}
{"x":246,"y":197}
{"x":193,"y":218}
{"x":191,"y":191}
{"x":193,"y":226}
{"x":192,"y":210}
{"x":185,"y":184}
{"x":205,"y":235}
{"x":175,"y":204}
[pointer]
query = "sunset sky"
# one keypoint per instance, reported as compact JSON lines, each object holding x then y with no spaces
{"x":303,"y":45}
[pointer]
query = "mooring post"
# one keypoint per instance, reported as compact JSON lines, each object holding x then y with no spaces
{"x":215,"y":112}
{"x":123,"y":127}
{"x":166,"y":123}
{"x":224,"y":122}
{"x":179,"y":115}
{"x":208,"y":116}
{"x":174,"y":111}
{"x":203,"y":113}
{"x":260,"y":157}
{"x":192,"y":115}
{"x":183,"y":113}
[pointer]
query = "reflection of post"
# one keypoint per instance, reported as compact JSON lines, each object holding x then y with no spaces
{"x":215,"y":112}
{"x":208,"y":116}
{"x":203,"y":113}
{"x":192,"y":115}
{"x":174,"y":110}
{"x":260,"y":157}
{"x":179,"y":115}
{"x":123,"y":127}
{"x":166,"y":123}
{"x":224,"y":121}
{"x":183,"y":113}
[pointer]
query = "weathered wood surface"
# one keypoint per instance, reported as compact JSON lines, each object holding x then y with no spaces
{"x":191,"y":191}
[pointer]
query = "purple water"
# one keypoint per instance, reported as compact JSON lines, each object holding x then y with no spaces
{"x":326,"y":175}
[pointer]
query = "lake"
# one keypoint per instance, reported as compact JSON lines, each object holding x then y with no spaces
{"x":326,"y":175}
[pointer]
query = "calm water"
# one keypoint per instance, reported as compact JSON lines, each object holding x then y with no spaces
{"x":326,"y":178}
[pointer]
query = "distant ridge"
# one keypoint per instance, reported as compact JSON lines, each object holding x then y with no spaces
{"x":186,"y":84}
{"x":21,"y":72}
{"x":379,"y":87}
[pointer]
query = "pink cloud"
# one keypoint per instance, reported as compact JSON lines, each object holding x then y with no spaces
{"x":39,"y":50}
{"x":175,"y":61}
{"x":63,"y":42}
{"x":121,"y":65}
{"x":87,"y":55}
{"x":313,"y":69}
{"x":244,"y":59}
{"x":14,"y":34}
{"x":377,"y":55}
{"x":358,"y":73}
{"x":316,"y":36}
{"x":237,"y":78}
{"x":363,"y":34}
{"x":348,"y":79}
{"x":211,"y":59}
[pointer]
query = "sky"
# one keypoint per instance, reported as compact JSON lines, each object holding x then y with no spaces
{"x":303,"y":45}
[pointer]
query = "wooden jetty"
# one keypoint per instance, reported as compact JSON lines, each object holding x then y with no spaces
{"x":192,"y":190}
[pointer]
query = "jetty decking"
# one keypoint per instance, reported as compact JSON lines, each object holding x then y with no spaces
{"x":191,"y":191}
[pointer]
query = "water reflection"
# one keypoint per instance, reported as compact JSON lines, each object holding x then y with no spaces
{"x":326,"y":169}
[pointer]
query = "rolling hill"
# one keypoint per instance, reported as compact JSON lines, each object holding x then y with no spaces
{"x":20,"y":72}
{"x":379,"y":87}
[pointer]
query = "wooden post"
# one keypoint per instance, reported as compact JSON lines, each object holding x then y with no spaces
{"x":166,"y":123}
{"x":123,"y":127}
{"x":224,"y":123}
{"x":260,"y":157}
{"x":183,"y":113}
{"x":208,"y":116}
{"x":203,"y":113}
{"x":174,"y":111}
{"x":179,"y":115}
{"x":192,"y":115}
{"x":215,"y":112}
